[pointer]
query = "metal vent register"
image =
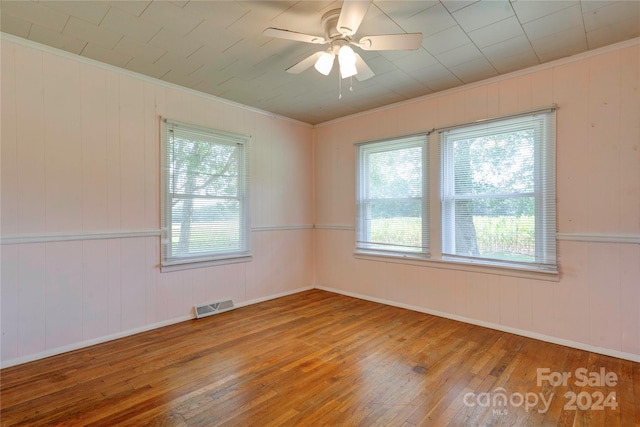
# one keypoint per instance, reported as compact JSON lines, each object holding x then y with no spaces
{"x":205,"y":310}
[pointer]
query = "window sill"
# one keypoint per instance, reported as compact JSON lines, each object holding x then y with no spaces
{"x":488,"y":268}
{"x":187,"y":265}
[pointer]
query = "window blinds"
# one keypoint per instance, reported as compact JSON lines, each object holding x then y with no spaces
{"x":204,"y":215}
{"x":392,"y":199}
{"x":498,"y":191}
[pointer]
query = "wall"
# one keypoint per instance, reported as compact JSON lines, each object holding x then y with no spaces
{"x":596,"y":303}
{"x":80,"y":162}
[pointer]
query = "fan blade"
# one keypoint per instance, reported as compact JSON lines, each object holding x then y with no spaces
{"x":391,"y":42}
{"x":292,"y":35}
{"x":364,"y":72}
{"x":304,"y":64}
{"x":351,"y":16}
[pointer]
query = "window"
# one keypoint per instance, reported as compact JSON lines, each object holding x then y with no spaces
{"x":204,"y":196}
{"x":392,"y":197}
{"x":498,"y":192}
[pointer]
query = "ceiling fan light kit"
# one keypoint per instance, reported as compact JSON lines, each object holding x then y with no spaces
{"x":339,"y":26}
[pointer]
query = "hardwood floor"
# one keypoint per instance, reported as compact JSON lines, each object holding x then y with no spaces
{"x":318,"y":358}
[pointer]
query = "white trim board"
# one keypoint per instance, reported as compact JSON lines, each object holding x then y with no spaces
{"x":599,"y":237}
{"x":66,"y":237}
{"x":535,"y":335}
{"x":111,"y":337}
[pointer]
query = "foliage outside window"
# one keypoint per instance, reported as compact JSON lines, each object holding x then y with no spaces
{"x":204,"y":203}
{"x":498,"y":192}
{"x":392,"y":199}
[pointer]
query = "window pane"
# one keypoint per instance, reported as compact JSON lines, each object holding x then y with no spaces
{"x":496,"y":164}
{"x":395,"y":223}
{"x":395,"y":174}
{"x":204,"y":225}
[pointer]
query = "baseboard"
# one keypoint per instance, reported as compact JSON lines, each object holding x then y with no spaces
{"x":522,"y":332}
{"x":123,"y":334}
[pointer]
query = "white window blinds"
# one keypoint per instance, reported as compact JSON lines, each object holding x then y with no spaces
{"x":498,"y":191}
{"x":392,"y":199}
{"x":204,"y":197}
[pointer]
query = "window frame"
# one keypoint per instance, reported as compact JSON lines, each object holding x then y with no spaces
{"x":363,"y":150}
{"x":433,"y":188}
{"x":243,"y":253}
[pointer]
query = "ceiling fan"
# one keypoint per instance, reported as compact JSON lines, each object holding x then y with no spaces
{"x":340,"y":25}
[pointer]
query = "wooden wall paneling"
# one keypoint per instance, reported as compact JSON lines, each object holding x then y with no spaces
{"x":9,"y":301}
{"x":114,"y":259}
{"x":509,"y":301}
{"x":541,"y":88}
{"x":132,"y":155}
{"x":604,"y":143}
{"x":255,"y":271}
{"x":31,"y":142}
{"x":114,"y":202}
{"x":151,"y":159}
{"x":524,"y":92}
{"x":234,"y":279}
{"x":629,"y":161}
{"x":63,"y":298}
{"x":483,"y":296}
{"x":95,"y":289}
{"x":542,"y":305}
{"x":493,"y":99}
{"x":475,"y":103}
{"x":93,"y":121}
{"x":9,"y":146}
{"x":32,"y":298}
{"x":440,"y":296}
{"x":457,"y":298}
{"x":525,"y":309}
{"x":571,"y":93}
{"x":133,"y":284}
{"x":571,"y":299}
{"x":604,"y":295}
{"x":63,"y":143}
{"x":152,"y":271}
{"x":509,"y":102}
{"x":630,"y":298}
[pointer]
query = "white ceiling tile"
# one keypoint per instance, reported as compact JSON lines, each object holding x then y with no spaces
{"x":14,"y":25}
{"x":84,"y":30}
{"x":36,"y":13}
{"x":564,"y":43}
{"x":519,"y":61}
{"x":446,"y":40}
{"x":213,"y":36}
{"x":497,"y":32}
{"x":91,"y":11}
{"x":529,"y":10}
{"x":181,"y":79}
{"x":595,"y":4}
{"x":147,"y":68}
{"x":219,"y":13}
{"x":611,"y":14}
{"x":108,"y":56}
{"x":178,"y":63}
{"x":453,"y":5}
{"x":171,"y":17}
{"x":429,"y":21}
{"x":506,"y":48}
{"x":614,"y":33}
{"x":554,"y":23}
{"x":129,"y":25}
{"x":418,"y":60}
{"x":402,"y":10}
{"x":459,"y":55}
{"x":52,"y":38}
{"x":474,"y":70}
{"x":166,"y":39}
{"x":136,"y":49}
{"x":301,"y":17}
{"x":180,"y":3}
{"x":132,"y":7}
{"x":483,"y":13}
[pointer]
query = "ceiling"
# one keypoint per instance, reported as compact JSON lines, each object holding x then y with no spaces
{"x":217,"y":47}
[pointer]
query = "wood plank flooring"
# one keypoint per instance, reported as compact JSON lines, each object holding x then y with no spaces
{"x":318,"y":359}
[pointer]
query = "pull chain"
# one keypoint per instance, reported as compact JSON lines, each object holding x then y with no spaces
{"x":339,"y":86}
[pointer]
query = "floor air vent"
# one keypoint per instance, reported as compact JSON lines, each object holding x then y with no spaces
{"x":205,"y":310}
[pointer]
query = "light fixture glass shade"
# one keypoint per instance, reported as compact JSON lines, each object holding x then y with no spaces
{"x":347,"y":60}
{"x":325,"y":63}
